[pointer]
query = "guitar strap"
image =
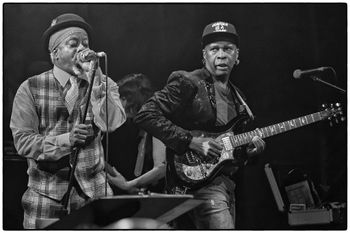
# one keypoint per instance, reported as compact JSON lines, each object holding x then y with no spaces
{"x":250,"y":113}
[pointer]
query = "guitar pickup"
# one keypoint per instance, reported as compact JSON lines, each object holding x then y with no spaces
{"x":227,"y":143}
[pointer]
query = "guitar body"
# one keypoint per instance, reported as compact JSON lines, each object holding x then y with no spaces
{"x":194,"y":170}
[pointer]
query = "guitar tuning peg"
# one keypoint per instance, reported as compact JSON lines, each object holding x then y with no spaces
{"x":337,"y":104}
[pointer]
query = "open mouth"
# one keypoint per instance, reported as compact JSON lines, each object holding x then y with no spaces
{"x":221,"y":66}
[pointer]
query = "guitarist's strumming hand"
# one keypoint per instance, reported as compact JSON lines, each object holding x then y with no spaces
{"x":256,"y":146}
{"x":206,"y":147}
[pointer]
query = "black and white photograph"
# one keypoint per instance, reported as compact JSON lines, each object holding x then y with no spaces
{"x":174,"y":115}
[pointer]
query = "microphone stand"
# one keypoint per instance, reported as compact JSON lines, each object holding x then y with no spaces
{"x":315,"y":78}
{"x":93,"y":67}
{"x":107,"y":132}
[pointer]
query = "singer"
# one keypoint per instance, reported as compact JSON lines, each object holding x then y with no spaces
{"x":46,"y":125}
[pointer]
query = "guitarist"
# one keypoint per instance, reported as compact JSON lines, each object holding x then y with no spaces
{"x":203,"y":99}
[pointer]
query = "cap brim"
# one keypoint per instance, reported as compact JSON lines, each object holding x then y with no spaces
{"x":220,"y":36}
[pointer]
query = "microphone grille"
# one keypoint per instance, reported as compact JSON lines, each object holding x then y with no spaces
{"x":297,"y":73}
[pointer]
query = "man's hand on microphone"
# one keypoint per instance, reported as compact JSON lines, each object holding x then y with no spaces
{"x":83,"y":60}
{"x":81,"y":68}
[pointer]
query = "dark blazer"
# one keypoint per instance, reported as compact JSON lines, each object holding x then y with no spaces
{"x":186,"y":103}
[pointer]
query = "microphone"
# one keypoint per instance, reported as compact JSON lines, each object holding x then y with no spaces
{"x":88,"y":55}
{"x":300,"y":73}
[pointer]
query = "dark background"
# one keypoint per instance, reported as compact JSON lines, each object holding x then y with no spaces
{"x":156,"y":39}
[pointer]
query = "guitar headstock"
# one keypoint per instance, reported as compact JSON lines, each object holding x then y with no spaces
{"x":333,"y":112}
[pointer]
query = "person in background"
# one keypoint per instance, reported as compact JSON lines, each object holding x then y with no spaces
{"x":205,"y":100}
{"x":140,"y":163}
{"x":47,"y":125}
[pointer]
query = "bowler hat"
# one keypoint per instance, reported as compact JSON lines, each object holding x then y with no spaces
{"x":64,"y":21}
{"x":217,"y":31}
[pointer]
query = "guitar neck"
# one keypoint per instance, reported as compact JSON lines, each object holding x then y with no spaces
{"x":268,"y":131}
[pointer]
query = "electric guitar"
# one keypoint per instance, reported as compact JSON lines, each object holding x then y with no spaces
{"x":195,"y":170}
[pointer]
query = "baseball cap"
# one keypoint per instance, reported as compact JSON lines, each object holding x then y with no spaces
{"x":219,"y":30}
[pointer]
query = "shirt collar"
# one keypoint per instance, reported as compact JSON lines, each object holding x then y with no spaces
{"x":61,"y":76}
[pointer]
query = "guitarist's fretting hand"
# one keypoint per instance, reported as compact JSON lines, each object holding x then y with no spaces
{"x":206,"y":146}
{"x":256,"y":146}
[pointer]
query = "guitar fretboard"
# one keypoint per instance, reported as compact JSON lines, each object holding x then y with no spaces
{"x":268,"y":131}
